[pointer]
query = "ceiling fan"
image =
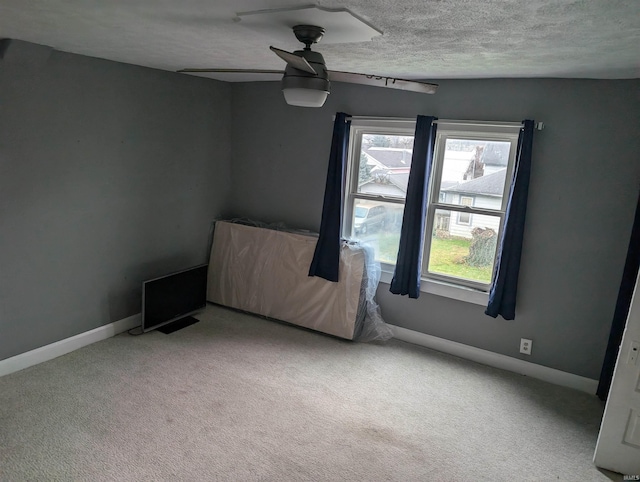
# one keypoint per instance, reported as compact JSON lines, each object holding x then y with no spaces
{"x":306,"y":80}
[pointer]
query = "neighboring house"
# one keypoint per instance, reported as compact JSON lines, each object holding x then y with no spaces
{"x":482,"y":192}
{"x":389,"y":171}
{"x":390,"y":157}
{"x":495,"y":157}
{"x":390,"y":176}
{"x":387,"y":184}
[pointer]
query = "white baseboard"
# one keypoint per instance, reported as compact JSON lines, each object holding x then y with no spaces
{"x":62,"y":347}
{"x":496,"y":360}
{"x":558,"y":377}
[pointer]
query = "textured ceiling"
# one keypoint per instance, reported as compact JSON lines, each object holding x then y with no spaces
{"x":422,"y":39}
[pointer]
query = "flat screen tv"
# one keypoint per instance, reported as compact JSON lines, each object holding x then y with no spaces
{"x":173,"y":298}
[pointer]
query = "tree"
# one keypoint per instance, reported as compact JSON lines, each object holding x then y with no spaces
{"x":365,"y":170}
{"x":380,"y":141}
{"x":476,"y":166}
{"x":483,"y":247}
{"x":404,"y":142}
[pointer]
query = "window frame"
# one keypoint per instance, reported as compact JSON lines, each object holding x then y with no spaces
{"x":467,"y":130}
{"x":378,"y":126}
{"x":481,"y":131}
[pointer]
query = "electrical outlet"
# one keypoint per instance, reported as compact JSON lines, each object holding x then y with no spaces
{"x":525,"y":346}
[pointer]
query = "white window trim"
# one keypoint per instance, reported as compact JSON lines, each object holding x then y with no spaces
{"x":500,"y":132}
{"x":370,"y":125}
{"x":442,"y":288}
{"x":467,"y":293}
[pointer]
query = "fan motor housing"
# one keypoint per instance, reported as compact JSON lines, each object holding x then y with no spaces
{"x":308,"y":34}
{"x":294,"y":78}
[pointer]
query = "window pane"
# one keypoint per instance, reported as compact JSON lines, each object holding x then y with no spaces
{"x":465,"y":218}
{"x":385,"y":161}
{"x":476,"y":169}
{"x":463,"y":251}
{"x":378,"y":224}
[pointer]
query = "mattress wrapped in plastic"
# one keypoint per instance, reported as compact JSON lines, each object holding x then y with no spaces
{"x":266,"y":272}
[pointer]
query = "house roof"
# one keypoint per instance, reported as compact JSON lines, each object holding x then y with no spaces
{"x":446,"y":184}
{"x":489,"y":185}
{"x":399,"y":179}
{"x":496,"y":154}
{"x":396,"y":185}
{"x":380,"y":189}
{"x":390,"y":157}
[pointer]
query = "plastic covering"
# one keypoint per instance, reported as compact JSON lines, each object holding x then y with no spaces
{"x":263,"y":269}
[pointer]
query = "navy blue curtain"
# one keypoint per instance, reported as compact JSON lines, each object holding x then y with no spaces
{"x":623,"y":303}
{"x":406,"y":277}
{"x":502,"y":297}
{"x":326,"y":257}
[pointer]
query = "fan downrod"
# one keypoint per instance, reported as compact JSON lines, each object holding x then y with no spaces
{"x":308,"y":34}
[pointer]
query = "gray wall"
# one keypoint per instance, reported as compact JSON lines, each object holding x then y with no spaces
{"x":584,"y":187}
{"x":109,"y":174}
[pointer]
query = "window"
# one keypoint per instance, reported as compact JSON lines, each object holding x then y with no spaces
{"x":464,"y":218}
{"x":468,"y":190}
{"x":379,"y":162}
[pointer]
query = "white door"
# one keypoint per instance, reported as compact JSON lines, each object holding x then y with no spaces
{"x":618,"y":446}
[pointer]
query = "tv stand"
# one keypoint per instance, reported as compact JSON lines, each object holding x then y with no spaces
{"x":178,"y":324}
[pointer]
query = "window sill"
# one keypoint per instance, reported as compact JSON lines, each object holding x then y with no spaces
{"x":447,"y":290}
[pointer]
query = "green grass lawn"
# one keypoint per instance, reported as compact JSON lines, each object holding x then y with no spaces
{"x":447,"y":257}
{"x":388,"y":247}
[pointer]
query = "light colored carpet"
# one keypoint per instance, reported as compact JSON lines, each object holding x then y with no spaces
{"x":237,"y":397}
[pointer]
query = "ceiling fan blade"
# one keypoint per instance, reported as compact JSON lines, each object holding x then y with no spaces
{"x":382,"y":81}
{"x":294,"y":61}
{"x":230,"y":71}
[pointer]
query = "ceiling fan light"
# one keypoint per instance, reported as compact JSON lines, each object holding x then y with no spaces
{"x":304,"y":89}
{"x":305,"y":97}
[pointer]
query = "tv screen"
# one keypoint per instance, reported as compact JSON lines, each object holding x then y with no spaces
{"x":173,"y":296}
